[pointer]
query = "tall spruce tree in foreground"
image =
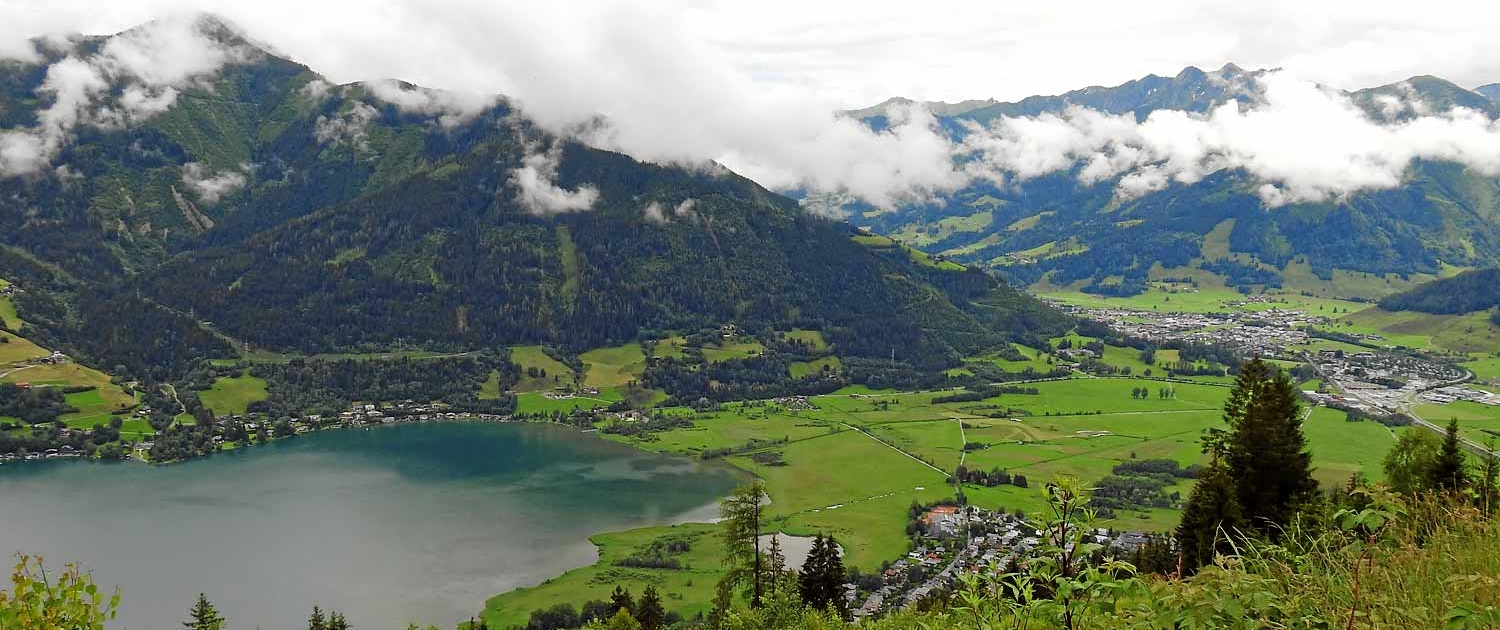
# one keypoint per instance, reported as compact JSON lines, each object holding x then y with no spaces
{"x":649,"y":611}
{"x":741,"y":512}
{"x":821,"y":582}
{"x":1447,"y":473}
{"x":1261,"y":473}
{"x":1210,"y":519}
{"x":317,"y":621}
{"x":1265,"y":451}
{"x":203,"y":616}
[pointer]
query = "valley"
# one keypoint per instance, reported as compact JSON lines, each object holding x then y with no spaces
{"x":432,"y":356}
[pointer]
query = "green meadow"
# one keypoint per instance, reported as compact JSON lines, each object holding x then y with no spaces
{"x":688,"y":590}
{"x":231,"y":395}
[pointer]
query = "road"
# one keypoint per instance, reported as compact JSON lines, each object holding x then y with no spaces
{"x":1406,"y":406}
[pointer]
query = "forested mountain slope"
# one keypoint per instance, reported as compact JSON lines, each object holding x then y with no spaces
{"x":1467,"y":292}
{"x":162,"y":217}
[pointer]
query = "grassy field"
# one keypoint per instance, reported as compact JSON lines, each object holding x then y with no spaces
{"x":538,"y":402}
{"x":813,"y":338}
{"x":92,"y":410}
{"x":556,"y":373}
{"x":800,"y":369}
{"x":17,"y":349}
{"x":736,"y":349}
{"x":8,"y":310}
{"x":612,"y":367}
{"x":1475,"y":421}
{"x":1457,"y":333}
{"x":688,"y":590}
{"x":230,"y":396}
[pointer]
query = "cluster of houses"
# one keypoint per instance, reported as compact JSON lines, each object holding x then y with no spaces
{"x":51,"y":453}
{"x":1266,"y":333}
{"x":1454,"y":393}
{"x":795,"y":403}
{"x":956,"y":540}
{"x":1383,"y":382}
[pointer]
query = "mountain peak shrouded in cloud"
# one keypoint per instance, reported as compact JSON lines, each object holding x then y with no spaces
{"x":1143,"y":135}
{"x":1490,"y":91}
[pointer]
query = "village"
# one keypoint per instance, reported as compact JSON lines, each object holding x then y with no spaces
{"x":1270,"y":333}
{"x":953,"y":540}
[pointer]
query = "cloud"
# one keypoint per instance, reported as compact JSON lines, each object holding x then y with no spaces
{"x":1301,"y":141}
{"x":350,"y":126}
{"x":209,"y":186}
{"x":540,"y":194}
{"x":450,"y":108}
{"x":148,"y":64}
{"x":655,"y":212}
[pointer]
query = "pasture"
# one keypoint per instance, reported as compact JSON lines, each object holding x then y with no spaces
{"x":688,"y":590}
{"x":230,"y":396}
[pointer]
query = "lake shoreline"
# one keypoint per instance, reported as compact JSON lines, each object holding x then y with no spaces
{"x":629,"y":487}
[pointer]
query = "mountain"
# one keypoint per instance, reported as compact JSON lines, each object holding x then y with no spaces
{"x":187,"y":207}
{"x":1467,"y":292}
{"x":1490,"y":91}
{"x":1055,"y":231}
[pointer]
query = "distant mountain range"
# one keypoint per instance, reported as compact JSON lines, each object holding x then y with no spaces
{"x":158,"y":214}
{"x":1052,"y":231}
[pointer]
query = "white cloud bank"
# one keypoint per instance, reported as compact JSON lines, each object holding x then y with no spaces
{"x":539,"y":193}
{"x":1303,"y":143}
{"x":755,"y":87}
{"x":210,"y":186}
{"x":149,"y":65}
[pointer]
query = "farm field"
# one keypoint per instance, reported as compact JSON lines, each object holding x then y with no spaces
{"x":688,"y":590}
{"x":612,"y":367}
{"x":17,"y":349}
{"x":851,"y":465}
{"x":92,"y":409}
{"x":230,"y":396}
{"x":8,"y":315}
{"x":551,"y":372}
{"x":1477,"y":422}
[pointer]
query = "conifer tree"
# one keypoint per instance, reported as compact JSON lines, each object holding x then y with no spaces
{"x":336,"y":621}
{"x":203,"y":616}
{"x":822,"y":578}
{"x":1209,"y":520}
{"x":316,"y":621}
{"x":741,"y":513}
{"x":1447,"y":473}
{"x":649,"y":612}
{"x":1265,"y":451}
{"x":1489,"y":481}
{"x":620,"y":600}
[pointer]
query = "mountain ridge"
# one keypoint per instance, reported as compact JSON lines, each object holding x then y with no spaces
{"x":298,"y":215}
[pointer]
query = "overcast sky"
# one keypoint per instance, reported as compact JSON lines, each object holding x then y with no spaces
{"x":754,"y":84}
{"x":848,"y":54}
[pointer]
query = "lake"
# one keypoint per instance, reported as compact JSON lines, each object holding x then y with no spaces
{"x":414,"y":522}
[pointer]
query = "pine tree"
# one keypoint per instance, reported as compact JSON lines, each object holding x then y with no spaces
{"x":336,"y":621}
{"x":1447,"y":473}
{"x":1265,"y":451}
{"x":821,"y":582}
{"x":809,"y":580}
{"x":620,"y":600}
{"x":1209,"y":520}
{"x":203,"y":616}
{"x":316,"y":621}
{"x":650,"y":613}
{"x":775,"y":564}
{"x":1489,"y":481}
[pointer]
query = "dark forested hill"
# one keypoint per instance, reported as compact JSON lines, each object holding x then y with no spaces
{"x":155,"y":218}
{"x":1467,"y":292}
